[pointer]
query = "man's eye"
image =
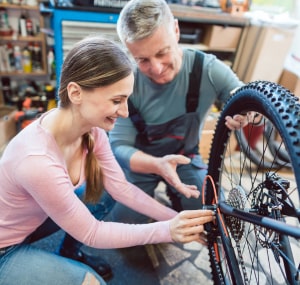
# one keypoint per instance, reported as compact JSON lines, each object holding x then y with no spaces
{"x":117,"y":102}
{"x":141,"y":60}
{"x":162,"y":54}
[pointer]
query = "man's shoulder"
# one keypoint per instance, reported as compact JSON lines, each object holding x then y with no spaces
{"x":190,"y":54}
{"x":195,"y":61}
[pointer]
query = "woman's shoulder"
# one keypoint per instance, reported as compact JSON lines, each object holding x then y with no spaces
{"x":99,"y":134}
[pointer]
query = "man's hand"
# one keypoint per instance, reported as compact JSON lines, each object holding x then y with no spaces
{"x":167,"y":169}
{"x":241,"y":120}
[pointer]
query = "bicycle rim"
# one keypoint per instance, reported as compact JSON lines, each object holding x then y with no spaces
{"x":244,"y":252}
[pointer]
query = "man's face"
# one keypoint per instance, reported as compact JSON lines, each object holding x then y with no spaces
{"x":158,"y":56}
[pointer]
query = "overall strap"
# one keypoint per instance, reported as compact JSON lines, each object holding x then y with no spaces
{"x":136,"y":117}
{"x":192,"y":98}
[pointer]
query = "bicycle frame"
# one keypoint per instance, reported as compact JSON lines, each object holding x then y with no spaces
{"x":265,"y":222}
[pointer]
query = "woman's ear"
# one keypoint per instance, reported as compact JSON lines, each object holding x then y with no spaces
{"x":74,"y":93}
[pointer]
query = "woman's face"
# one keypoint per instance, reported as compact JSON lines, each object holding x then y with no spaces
{"x":102,"y":106}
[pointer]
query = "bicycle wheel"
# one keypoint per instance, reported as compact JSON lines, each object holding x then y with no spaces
{"x":255,"y":237}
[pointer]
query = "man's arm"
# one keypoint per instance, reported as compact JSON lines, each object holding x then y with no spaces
{"x":122,"y":139}
{"x":226,"y":83}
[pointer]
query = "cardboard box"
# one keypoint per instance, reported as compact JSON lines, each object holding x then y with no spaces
{"x":263,"y":53}
{"x":207,"y":134}
{"x":205,"y":144}
{"x":290,"y":81}
{"x":221,"y":37}
{"x":7,"y":123}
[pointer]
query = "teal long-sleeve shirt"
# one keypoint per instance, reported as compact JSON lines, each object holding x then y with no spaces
{"x":161,"y":103}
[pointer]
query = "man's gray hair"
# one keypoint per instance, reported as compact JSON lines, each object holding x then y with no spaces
{"x":140,"y":19}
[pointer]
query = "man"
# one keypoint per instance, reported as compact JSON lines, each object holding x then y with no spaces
{"x":159,"y":140}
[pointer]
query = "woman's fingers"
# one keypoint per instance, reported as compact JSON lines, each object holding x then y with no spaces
{"x":196,"y":214}
{"x":201,"y":238}
{"x":188,"y":226}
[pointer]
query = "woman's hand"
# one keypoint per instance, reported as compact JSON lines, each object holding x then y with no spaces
{"x":166,"y":168}
{"x":188,"y":225}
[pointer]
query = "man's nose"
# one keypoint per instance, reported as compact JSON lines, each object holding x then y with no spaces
{"x":156,"y":66}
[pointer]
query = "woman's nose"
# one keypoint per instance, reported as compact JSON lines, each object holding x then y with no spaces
{"x":123,"y":110}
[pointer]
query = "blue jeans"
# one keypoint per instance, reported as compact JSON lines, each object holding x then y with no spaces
{"x":25,"y":264}
{"x":99,"y":211}
{"x":193,"y":174}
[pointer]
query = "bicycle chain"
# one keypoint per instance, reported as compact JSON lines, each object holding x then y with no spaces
{"x":237,"y":199}
{"x":242,"y":263}
{"x":241,"y":259}
{"x":217,"y":266}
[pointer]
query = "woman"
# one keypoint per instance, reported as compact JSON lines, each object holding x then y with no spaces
{"x":66,"y":147}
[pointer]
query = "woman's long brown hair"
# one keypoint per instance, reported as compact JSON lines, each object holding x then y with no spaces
{"x":92,"y":63}
{"x":93,"y":173}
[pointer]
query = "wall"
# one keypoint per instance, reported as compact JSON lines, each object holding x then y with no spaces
{"x":292,"y":62}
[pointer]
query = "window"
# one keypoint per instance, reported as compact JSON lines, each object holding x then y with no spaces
{"x":274,"y":6}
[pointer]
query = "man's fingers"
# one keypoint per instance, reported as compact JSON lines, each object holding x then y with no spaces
{"x":188,"y":190}
{"x":181,"y":159}
{"x":235,"y":123}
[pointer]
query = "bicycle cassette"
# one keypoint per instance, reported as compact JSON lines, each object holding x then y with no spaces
{"x":237,"y":199}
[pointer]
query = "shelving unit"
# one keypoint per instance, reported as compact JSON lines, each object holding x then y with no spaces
{"x":14,"y":12}
{"x":220,"y":33}
{"x":71,"y":26}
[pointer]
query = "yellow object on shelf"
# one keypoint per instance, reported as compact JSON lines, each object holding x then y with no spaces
{"x":51,"y":104}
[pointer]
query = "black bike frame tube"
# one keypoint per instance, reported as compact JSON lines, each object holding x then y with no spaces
{"x":266,"y":222}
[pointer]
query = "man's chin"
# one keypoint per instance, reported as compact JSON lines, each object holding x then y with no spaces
{"x":161,"y":81}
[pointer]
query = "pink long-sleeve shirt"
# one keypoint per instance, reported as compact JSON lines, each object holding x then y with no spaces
{"x":35,"y":184}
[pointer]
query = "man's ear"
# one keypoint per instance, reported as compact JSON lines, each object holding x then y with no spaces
{"x":74,"y":93}
{"x":177,"y":29}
